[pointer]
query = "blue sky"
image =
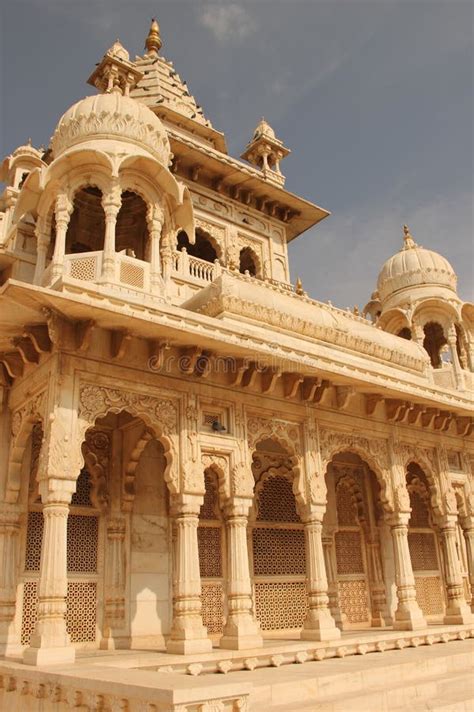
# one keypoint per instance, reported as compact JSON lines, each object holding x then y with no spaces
{"x":375,"y":98}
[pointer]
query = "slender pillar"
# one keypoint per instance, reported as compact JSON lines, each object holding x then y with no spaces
{"x":408,"y":615}
{"x":155,"y":225}
{"x":43,"y":238}
{"x":468,"y":530}
{"x":50,"y":641}
{"x":452,"y":341}
{"x":9,"y":535}
{"x":319,"y":623}
{"x":114,"y":581}
{"x":188,"y":634}
{"x":333,"y":593}
{"x":167,"y":255}
{"x":457,"y":610}
{"x":63,"y":212}
{"x":111,"y":203}
{"x":241,"y":630}
{"x":379,"y":617}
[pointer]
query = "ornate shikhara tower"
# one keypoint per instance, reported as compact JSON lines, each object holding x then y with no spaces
{"x":193,"y":450}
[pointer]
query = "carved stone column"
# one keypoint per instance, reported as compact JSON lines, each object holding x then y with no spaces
{"x":63,"y":212}
{"x":9,"y":556}
{"x":333,"y":594}
{"x":468,"y":530}
{"x":114,"y":581}
{"x":167,"y":254}
{"x":408,"y":615}
{"x":50,"y":641}
{"x":319,"y":623}
{"x":43,"y":238}
{"x":452,"y":341}
{"x":457,"y":610}
{"x":155,"y":219}
{"x":241,"y":630}
{"x":379,"y":615}
{"x":188,"y":634}
{"x":111,"y":203}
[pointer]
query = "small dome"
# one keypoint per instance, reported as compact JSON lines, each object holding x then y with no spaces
{"x":263,"y":129}
{"x":412,"y":267}
{"x":27,"y":151}
{"x":113,"y":116}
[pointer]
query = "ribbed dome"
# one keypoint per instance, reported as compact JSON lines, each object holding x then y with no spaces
{"x":111,"y":116}
{"x":414,"y":266}
{"x":263,"y":129}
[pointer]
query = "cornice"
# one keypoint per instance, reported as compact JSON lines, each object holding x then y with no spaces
{"x":230,"y":339}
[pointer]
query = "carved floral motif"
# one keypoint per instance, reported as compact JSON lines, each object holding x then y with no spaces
{"x":282,"y":431}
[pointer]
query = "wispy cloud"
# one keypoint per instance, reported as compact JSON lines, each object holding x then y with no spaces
{"x":230,"y":23}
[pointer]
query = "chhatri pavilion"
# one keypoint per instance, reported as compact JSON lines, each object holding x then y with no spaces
{"x":199,"y":461}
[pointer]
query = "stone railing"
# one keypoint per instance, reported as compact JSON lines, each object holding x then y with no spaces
{"x":127,"y":271}
{"x":186,"y":266}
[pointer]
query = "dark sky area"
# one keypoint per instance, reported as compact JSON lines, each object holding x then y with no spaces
{"x":375,"y":98}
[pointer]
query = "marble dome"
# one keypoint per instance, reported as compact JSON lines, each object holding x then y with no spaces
{"x":414,"y":266}
{"x":111,"y":116}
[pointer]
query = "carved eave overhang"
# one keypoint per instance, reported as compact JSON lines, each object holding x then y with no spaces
{"x":241,"y":181}
{"x":22,"y":304}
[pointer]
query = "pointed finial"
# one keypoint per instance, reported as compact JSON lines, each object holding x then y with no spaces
{"x":299,"y":287}
{"x":153,"y":41}
{"x":409,"y":242}
{"x":29,"y":142}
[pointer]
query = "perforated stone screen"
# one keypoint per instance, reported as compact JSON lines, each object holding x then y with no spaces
{"x":349,"y":552}
{"x":81,"y":616}
{"x":210,"y":552}
{"x":212,"y":599}
{"x":423,"y":551}
{"x":281,"y":605}
{"x":429,"y":594}
{"x":132,"y":274}
{"x":353,"y":600}
{"x":276,"y":502}
{"x":83,"y":268}
{"x":278,"y":551}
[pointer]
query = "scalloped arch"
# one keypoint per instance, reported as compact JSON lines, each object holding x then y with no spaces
{"x":382,"y":473}
{"x":97,"y":402}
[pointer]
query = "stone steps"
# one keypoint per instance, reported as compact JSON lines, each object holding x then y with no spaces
{"x":437,"y":678}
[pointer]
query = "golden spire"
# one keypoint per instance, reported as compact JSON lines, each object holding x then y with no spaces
{"x":153,"y":41}
{"x":409,"y":242}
